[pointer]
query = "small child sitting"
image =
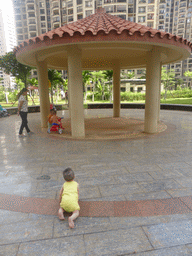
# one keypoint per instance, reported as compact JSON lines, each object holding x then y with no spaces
{"x":69,"y":195}
{"x":54,"y":119}
{"x":49,"y":118}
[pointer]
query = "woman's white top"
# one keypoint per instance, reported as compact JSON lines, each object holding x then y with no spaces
{"x":24,"y":107}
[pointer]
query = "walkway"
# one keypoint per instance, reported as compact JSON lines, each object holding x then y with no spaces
{"x":135,"y":194}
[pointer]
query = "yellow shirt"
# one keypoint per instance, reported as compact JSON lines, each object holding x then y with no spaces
{"x":69,"y":201}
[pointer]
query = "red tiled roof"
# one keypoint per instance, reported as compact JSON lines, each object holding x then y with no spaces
{"x":101,"y":22}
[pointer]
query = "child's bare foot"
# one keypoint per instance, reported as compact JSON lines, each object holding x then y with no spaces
{"x":60,"y":214}
{"x":71,"y":222}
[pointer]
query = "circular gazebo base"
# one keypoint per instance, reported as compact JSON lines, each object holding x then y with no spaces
{"x":110,"y":128}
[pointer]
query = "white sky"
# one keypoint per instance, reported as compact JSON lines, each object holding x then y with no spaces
{"x":8,"y":16}
{"x":6,"y":6}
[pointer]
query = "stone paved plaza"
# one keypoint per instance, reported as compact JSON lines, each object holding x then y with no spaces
{"x":135,"y":194}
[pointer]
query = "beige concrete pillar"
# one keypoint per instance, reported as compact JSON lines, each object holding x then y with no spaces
{"x":152,"y":90}
{"x":76,"y":92}
{"x":158,"y":116}
{"x":43,"y":92}
{"x":116,"y":89}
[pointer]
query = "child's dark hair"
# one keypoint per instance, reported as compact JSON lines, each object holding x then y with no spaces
{"x":68,"y":174}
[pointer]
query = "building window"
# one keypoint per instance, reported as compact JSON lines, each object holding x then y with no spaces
{"x":131,"y":19}
{"x":19,"y":30}
{"x":141,"y":9}
{"x":20,"y":37}
{"x":41,"y":4}
{"x":130,"y":9}
{"x":43,"y":25}
{"x":141,"y":18}
{"x":122,"y":16}
{"x":70,"y":11}
{"x":121,"y":1}
{"x":88,"y":4}
{"x":42,"y":18}
{"x":70,"y":4}
{"x":150,"y":16}
{"x":151,"y":8}
{"x":80,"y":9}
{"x":88,"y":13}
{"x":31,"y":14}
{"x":24,"y":16}
{"x":70,"y":18}
{"x":80,"y":16}
{"x":43,"y":31}
{"x":79,"y":2}
{"x":150,"y":24}
{"x":18,"y":17}
{"x":121,"y":8}
{"x":142,"y":1}
{"x":151,"y":1}
{"x":108,"y":9}
{"x":42,"y":11}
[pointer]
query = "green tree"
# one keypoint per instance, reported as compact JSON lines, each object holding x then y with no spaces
{"x":108,"y":75}
{"x":55,"y":77}
{"x":167,"y":78}
{"x":97,"y":78}
{"x":188,"y":74}
{"x":86,"y":81}
{"x":127,"y":75}
{"x":11,"y":66}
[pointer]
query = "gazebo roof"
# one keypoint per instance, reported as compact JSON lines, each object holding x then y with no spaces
{"x":102,"y":38}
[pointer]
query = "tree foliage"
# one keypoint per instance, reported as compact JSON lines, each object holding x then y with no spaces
{"x":11,"y":66}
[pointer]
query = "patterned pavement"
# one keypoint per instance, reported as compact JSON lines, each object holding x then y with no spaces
{"x":135,"y":193}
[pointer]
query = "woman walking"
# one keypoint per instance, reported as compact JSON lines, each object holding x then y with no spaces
{"x":23,"y":110}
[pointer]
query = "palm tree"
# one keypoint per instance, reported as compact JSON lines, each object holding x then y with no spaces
{"x":86,"y":81}
{"x":55,"y":78}
{"x":97,"y":79}
{"x":108,"y":75}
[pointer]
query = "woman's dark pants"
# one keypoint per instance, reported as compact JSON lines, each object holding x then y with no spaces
{"x":23,"y":116}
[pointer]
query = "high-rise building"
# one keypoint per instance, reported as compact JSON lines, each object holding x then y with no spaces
{"x":7,"y":43}
{"x":35,"y":17}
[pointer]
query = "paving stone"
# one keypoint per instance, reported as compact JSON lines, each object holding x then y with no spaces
{"x":129,"y":222}
{"x":118,"y":242}
{"x":9,"y":250}
{"x":25,"y":231}
{"x":7,"y":217}
{"x":110,"y":190}
{"x":144,"y":196}
{"x":170,"y":234}
{"x":159,"y":185}
{"x":180,"y":192}
{"x":83,"y":225}
{"x":68,"y":246}
{"x":176,"y":251}
{"x":89,"y":192}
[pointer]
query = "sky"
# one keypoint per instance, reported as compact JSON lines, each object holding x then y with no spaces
{"x":6,"y":6}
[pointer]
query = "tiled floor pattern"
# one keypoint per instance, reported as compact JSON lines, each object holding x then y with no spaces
{"x":136,"y":193}
{"x":142,"y":208}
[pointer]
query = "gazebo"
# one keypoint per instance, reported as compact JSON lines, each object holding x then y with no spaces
{"x":100,"y":42}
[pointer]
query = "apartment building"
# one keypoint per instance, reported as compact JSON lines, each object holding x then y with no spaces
{"x":35,"y":17}
{"x":7,"y":43}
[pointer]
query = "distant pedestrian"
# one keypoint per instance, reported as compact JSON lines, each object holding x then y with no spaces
{"x":69,"y":196}
{"x":66,"y":97}
{"x":23,"y":110}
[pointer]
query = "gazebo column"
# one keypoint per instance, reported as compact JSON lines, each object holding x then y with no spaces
{"x":158,"y":116}
{"x":116,"y":89}
{"x":76,"y":92}
{"x":152,"y":90}
{"x":43,"y":92}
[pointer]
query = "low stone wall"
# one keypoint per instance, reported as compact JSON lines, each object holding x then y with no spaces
{"x":31,"y":109}
{"x":141,"y":106}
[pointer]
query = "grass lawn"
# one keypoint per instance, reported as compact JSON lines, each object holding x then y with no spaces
{"x":187,"y":101}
